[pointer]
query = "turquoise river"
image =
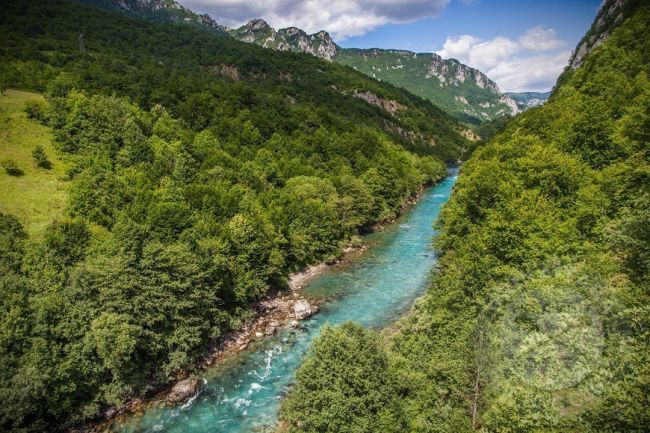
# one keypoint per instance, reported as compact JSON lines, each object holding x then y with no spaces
{"x":242,"y":393}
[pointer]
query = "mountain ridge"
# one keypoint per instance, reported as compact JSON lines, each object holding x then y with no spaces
{"x":463,"y":91}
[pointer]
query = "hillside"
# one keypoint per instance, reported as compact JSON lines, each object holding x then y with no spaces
{"x":35,"y":195}
{"x":191,"y":173}
{"x":464,"y":92}
{"x":460,"y":90}
{"x":537,"y":317}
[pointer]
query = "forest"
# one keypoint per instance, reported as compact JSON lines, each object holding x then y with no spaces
{"x":199,"y":172}
{"x":537,"y":317}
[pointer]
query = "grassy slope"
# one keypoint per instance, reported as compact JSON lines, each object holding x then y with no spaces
{"x":39,"y":195}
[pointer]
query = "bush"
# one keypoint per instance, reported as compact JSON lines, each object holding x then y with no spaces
{"x":37,"y":110}
{"x":11,"y":167}
{"x":40,"y":158}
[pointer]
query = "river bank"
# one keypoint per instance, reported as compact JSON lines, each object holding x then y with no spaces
{"x":274,"y":312}
{"x":242,"y":389}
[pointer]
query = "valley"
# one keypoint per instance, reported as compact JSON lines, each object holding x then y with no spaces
{"x":177,"y":196}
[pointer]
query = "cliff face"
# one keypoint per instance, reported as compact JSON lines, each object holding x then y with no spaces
{"x":610,"y":16}
{"x":526,"y":100}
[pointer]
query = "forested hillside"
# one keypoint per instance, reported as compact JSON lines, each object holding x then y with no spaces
{"x":464,"y":92}
{"x":537,"y":318}
{"x":197,"y":172}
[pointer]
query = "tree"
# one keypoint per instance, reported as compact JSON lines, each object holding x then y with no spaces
{"x":344,"y":385}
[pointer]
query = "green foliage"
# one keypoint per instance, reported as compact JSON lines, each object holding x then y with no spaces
{"x":345,"y":384}
{"x":11,"y":167}
{"x":189,"y":195}
{"x":40,"y":158}
{"x":37,"y":110}
{"x":466,"y":100}
{"x":537,"y":316}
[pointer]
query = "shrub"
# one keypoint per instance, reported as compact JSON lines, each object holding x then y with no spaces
{"x":40,"y":158}
{"x":11,"y":167}
{"x":37,"y":110}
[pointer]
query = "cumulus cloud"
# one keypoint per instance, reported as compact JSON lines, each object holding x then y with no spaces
{"x":532,"y":62}
{"x":539,"y":39}
{"x":342,"y":18}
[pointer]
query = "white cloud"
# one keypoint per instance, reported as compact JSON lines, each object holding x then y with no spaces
{"x":538,"y":39}
{"x":342,"y":18}
{"x":532,"y":62}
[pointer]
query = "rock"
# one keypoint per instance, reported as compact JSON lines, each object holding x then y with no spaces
{"x":110,"y":413}
{"x":274,"y":323}
{"x":303,"y":310}
{"x":183,"y":390}
{"x":269,"y":330}
{"x":259,"y":334}
{"x":294,"y":324}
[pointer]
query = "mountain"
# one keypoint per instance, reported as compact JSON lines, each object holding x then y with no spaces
{"x":537,"y":317}
{"x":462,"y":91}
{"x":465,"y":92}
{"x":167,"y":11}
{"x":258,"y":32}
{"x":526,"y":100}
{"x":610,"y":16}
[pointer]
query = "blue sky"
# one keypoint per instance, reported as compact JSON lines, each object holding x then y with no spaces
{"x":522,"y":45}
{"x":485,"y":19}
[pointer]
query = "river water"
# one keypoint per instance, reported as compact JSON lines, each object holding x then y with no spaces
{"x":242,"y":393}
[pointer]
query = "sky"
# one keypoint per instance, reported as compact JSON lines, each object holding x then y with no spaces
{"x":523,"y":45}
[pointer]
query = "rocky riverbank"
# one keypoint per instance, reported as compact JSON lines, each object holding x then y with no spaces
{"x":279,"y":309}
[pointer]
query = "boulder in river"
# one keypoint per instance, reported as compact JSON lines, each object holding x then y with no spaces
{"x":183,"y":390}
{"x":302,"y":309}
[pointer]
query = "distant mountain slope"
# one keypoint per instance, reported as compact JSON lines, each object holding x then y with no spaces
{"x":526,"y":100}
{"x":168,"y":11}
{"x":462,"y":91}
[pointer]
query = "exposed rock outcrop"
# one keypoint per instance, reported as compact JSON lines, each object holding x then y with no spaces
{"x":303,"y":309}
{"x":258,"y":31}
{"x":226,"y":70}
{"x":183,"y":390}
{"x":611,"y":15}
{"x":387,"y":104}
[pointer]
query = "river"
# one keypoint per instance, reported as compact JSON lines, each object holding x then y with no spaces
{"x":242,"y":393}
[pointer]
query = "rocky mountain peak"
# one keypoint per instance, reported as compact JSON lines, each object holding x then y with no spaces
{"x":255,"y":25}
{"x":158,"y":10}
{"x":288,"y":39}
{"x":291,"y":31}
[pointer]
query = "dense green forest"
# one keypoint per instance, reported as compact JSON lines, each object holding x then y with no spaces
{"x":198,"y":172}
{"x":538,"y":316}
